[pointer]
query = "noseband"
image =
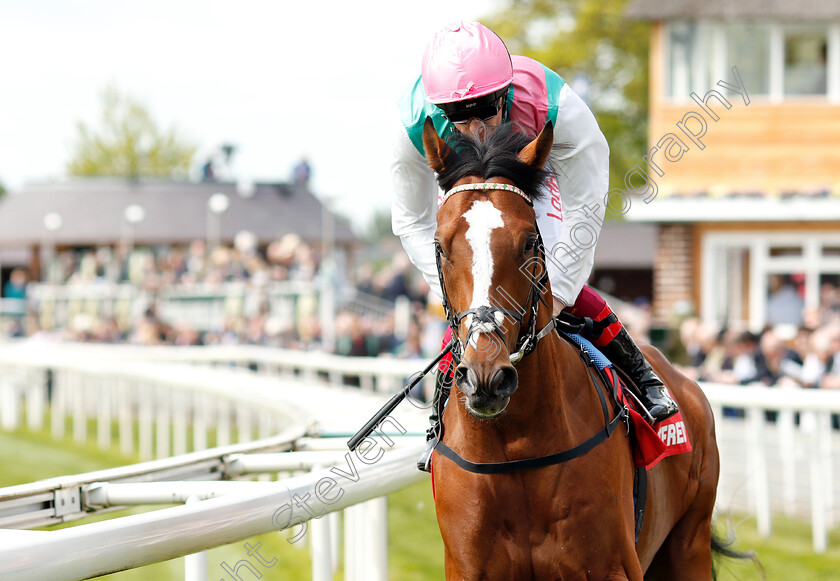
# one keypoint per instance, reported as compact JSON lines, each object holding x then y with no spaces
{"x":486,"y":319}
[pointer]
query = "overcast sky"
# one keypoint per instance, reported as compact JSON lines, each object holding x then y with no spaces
{"x":279,"y":79}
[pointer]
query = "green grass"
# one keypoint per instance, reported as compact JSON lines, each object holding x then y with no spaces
{"x":31,"y":456}
{"x":787,"y":556}
{"x":414,"y":543}
{"x":415,"y":547}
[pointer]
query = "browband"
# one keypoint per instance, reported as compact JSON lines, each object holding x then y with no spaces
{"x":484,"y":186}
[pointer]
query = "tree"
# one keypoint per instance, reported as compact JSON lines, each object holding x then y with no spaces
{"x":2,"y":190}
{"x":590,"y":39}
{"x":129,"y":144}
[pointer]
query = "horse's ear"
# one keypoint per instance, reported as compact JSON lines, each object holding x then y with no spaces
{"x":438,"y":153}
{"x":536,"y":152}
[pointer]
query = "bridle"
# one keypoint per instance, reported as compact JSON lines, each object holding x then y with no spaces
{"x":491,"y":318}
{"x":525,"y":345}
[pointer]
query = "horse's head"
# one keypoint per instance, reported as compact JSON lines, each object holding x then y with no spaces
{"x":489,"y":260}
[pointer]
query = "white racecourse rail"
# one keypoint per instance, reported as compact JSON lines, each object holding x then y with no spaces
{"x":783,"y":464}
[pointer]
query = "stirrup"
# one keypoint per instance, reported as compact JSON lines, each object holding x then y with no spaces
{"x":424,"y":463}
{"x":648,"y":417}
{"x":443,"y":384}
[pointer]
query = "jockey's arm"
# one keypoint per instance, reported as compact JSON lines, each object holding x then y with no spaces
{"x":582,"y":172}
{"x":414,"y":207}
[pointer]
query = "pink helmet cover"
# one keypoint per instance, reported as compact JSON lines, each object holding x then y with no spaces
{"x":464,"y":61}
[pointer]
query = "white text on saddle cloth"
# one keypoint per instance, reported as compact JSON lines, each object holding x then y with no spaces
{"x":672,"y":434}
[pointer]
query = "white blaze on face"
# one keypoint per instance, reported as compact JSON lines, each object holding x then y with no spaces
{"x":483,"y":218}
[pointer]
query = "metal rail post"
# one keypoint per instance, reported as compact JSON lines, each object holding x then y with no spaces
{"x":195,"y":565}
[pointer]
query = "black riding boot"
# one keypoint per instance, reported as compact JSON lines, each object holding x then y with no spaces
{"x":624,"y":352}
{"x":443,"y":384}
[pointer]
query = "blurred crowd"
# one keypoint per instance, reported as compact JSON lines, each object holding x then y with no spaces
{"x":799,"y":347}
{"x":804,"y":352}
{"x":288,"y":258}
{"x":248,"y":316}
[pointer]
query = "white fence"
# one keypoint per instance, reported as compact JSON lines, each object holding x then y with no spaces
{"x":782,"y":456}
{"x":241,"y":392}
{"x":235,"y":394}
{"x":787,"y":465}
{"x":12,"y":307}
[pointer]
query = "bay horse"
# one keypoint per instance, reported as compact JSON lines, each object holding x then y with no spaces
{"x":573,"y":520}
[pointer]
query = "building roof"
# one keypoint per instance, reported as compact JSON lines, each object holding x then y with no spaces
{"x":92,"y":212}
{"x":764,"y":9}
{"x":625,"y":245}
{"x":736,"y":209}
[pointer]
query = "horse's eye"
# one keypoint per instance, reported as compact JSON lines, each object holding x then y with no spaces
{"x":530,"y":243}
{"x":439,"y":249}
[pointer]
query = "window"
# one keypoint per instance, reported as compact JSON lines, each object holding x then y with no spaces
{"x":689,"y":58}
{"x":748,"y":48}
{"x":774,"y":59}
{"x":769,"y":277}
{"x":806,"y":52}
{"x":786,"y":251}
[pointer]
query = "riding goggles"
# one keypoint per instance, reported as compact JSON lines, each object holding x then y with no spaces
{"x":484,"y":108}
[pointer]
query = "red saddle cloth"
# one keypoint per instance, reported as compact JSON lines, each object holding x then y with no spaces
{"x":653,"y":443}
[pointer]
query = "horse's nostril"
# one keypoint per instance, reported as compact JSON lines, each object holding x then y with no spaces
{"x":504,"y":381}
{"x":463,"y":380}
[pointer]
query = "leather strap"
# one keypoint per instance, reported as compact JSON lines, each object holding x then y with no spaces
{"x":531,"y":463}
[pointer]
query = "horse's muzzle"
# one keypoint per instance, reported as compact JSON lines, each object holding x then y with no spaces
{"x":486,"y":397}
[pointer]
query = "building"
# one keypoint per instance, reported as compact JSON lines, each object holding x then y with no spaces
{"x":742,"y":175}
{"x":624,"y":260}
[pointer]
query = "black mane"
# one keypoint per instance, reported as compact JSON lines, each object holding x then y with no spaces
{"x":493,"y":157}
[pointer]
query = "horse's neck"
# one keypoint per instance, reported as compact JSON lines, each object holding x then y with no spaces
{"x":552,"y":380}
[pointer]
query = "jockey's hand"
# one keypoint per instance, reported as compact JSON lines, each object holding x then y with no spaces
{"x":557,"y":307}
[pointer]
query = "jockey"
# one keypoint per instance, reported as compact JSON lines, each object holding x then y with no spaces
{"x":470,"y":83}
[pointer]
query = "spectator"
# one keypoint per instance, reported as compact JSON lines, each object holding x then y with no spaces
{"x":744,"y":360}
{"x":716,"y":349}
{"x":831,"y":379}
{"x":208,"y":173}
{"x":773,"y":359}
{"x":817,"y":358}
{"x":15,"y":287}
{"x":688,"y":331}
{"x":699,"y":340}
{"x":302,"y":172}
{"x":784,"y":306}
{"x":350,"y":339}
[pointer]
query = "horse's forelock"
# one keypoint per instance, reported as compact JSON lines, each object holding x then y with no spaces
{"x":493,"y":157}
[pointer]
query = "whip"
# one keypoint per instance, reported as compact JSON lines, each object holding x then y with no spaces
{"x":395,"y":400}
